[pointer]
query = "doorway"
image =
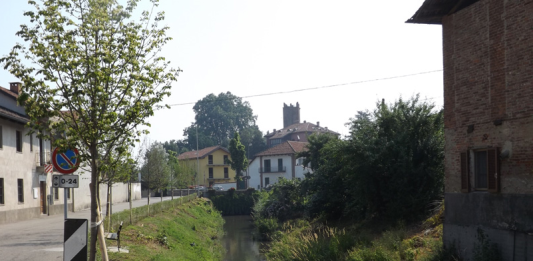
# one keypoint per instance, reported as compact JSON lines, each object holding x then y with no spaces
{"x":43,"y":196}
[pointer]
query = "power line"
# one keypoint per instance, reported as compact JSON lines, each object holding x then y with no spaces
{"x":325,"y":86}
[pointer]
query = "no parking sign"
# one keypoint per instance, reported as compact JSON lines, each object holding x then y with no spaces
{"x":66,"y":162}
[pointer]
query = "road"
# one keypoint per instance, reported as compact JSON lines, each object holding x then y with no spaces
{"x":42,"y":239}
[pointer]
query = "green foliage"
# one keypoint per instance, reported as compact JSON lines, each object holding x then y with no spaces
{"x":399,"y":169}
{"x":231,"y":203}
{"x":155,"y":172}
{"x":283,"y":201}
{"x":239,"y":161}
{"x":266,"y":227}
{"x":484,"y":250}
{"x":218,"y":118}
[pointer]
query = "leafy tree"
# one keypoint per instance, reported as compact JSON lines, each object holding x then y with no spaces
{"x":94,"y":74}
{"x":155,"y":172}
{"x":238,"y":161}
{"x":218,"y":118}
{"x":177,"y":146}
{"x":253,"y":139}
{"x":399,"y":159}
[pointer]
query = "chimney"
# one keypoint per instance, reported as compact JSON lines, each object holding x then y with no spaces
{"x":318,"y":123}
{"x":15,"y":87}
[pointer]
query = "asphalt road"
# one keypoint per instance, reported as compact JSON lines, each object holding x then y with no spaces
{"x":42,"y":239}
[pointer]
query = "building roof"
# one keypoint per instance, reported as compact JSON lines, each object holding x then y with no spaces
{"x":432,"y":11}
{"x":201,"y":153}
{"x":285,"y":148}
{"x":10,"y":114}
{"x":299,"y":128}
{"x":8,"y":92}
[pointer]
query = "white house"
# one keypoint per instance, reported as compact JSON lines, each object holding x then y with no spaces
{"x":277,"y":162}
{"x":25,"y":188}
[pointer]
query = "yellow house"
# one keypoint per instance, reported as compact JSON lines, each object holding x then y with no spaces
{"x":213,"y":168}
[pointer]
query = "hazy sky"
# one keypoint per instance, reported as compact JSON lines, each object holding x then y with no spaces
{"x":262,"y":47}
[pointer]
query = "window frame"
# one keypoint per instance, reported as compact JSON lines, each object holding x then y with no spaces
{"x":226,"y":158}
{"x":210,"y":159}
{"x":18,"y":140}
{"x":20,"y":190}
{"x":280,"y":165}
{"x":468,"y":170}
{"x":265,"y":169}
{"x":2,"y":198}
{"x":211,"y":173}
{"x":226,"y":173}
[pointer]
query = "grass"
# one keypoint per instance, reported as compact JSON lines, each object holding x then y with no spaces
{"x":298,"y":240}
{"x":188,"y":231}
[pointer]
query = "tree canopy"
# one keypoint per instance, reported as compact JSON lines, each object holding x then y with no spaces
{"x":238,"y":161}
{"x":93,"y":74}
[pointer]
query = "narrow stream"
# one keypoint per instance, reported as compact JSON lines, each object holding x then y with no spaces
{"x":240,"y":246}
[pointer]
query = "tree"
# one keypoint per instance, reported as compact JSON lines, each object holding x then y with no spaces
{"x":94,"y":74}
{"x":399,"y":159}
{"x":238,"y":161}
{"x":253,"y":139}
{"x":155,"y":172}
{"x":218,"y":118}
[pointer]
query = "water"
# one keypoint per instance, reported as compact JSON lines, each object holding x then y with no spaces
{"x":240,"y":246}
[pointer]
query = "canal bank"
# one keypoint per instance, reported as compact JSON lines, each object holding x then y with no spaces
{"x":238,"y":239}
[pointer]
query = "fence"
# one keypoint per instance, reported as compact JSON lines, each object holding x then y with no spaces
{"x":142,"y":212}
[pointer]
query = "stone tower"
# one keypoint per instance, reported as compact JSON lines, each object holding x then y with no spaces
{"x":291,"y":114}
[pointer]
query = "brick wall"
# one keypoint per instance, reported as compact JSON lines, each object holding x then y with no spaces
{"x":488,"y":76}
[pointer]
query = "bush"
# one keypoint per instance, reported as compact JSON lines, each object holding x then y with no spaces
{"x":266,"y":226}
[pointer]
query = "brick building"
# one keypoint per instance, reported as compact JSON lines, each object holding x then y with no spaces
{"x":488,"y":114}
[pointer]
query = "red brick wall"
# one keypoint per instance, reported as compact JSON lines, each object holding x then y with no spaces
{"x":488,"y":76}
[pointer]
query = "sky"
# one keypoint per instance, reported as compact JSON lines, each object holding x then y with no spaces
{"x":343,"y":56}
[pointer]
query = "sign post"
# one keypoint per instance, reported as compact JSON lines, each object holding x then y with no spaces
{"x":66,"y":163}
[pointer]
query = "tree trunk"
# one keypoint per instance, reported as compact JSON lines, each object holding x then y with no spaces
{"x":94,"y":209}
{"x":108,"y":207}
{"x":130,"y":193}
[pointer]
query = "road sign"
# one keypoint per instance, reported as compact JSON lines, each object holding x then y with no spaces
{"x":75,"y":239}
{"x":65,"y":181}
{"x":66,"y":162}
{"x":48,"y":168}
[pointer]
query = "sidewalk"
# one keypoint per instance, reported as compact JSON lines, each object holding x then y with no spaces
{"x":42,"y":238}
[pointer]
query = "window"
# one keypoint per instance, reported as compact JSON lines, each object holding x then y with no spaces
{"x":20,"y":188}
{"x":210,"y":173}
{"x":226,"y":173}
{"x":275,"y":142}
{"x":19,"y":141}
{"x":56,"y":193}
{"x":267,"y":181}
{"x":31,"y":142}
{"x":280,"y":165}
{"x":1,"y":139}
{"x":210,"y":159}
{"x":2,"y":191}
{"x":267,"y":165}
{"x":225,"y":159}
{"x":484,"y":164}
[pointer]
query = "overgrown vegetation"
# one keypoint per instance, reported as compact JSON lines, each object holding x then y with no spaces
{"x":189,"y":231}
{"x":389,"y":170}
{"x":231,"y":203}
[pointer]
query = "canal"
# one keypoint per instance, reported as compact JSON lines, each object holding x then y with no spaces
{"x":238,"y":240}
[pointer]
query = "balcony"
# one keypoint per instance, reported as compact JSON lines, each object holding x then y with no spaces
{"x":41,"y":160}
{"x":278,"y":169}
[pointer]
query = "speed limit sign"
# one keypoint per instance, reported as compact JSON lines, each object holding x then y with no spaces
{"x":65,"y":181}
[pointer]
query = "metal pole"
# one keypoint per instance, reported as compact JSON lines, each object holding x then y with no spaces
{"x":65,"y":200}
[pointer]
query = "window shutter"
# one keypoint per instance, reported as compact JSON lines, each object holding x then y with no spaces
{"x":493,"y":171}
{"x":465,"y":178}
